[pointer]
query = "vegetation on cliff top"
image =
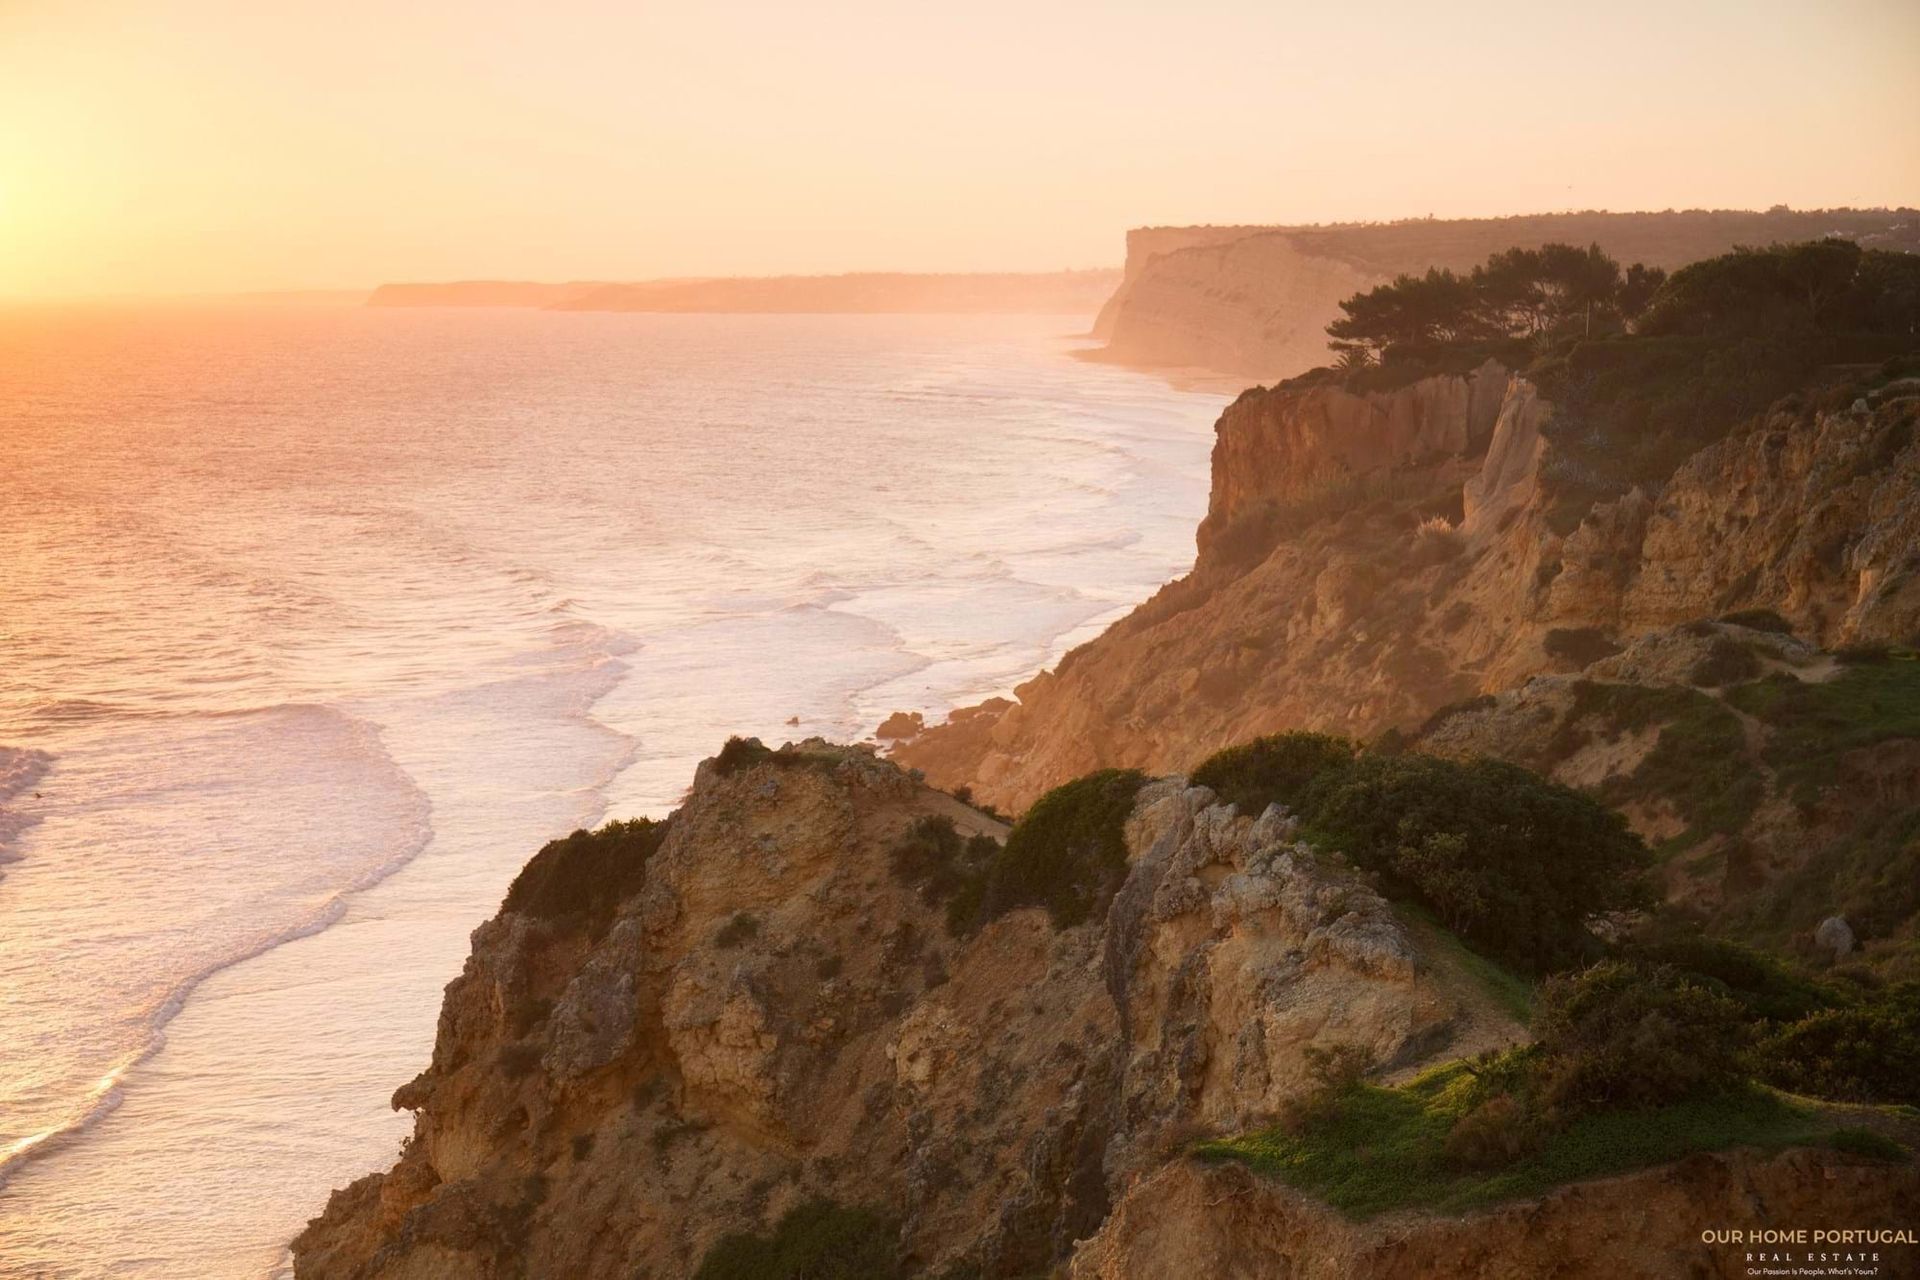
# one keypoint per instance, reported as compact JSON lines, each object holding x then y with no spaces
{"x":1515,"y":864}
{"x":1635,"y":1065}
{"x":1386,"y":1149}
{"x":1642,"y":369}
{"x":1516,"y":294}
{"x":586,"y":875}
{"x":1068,"y":853}
{"x":1832,"y":746}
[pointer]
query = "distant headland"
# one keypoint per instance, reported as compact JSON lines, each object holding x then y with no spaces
{"x":1079,"y":292}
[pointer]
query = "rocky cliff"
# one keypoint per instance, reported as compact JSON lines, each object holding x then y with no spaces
{"x":1369,"y":558}
{"x":1254,"y":301}
{"x":762,"y":1011}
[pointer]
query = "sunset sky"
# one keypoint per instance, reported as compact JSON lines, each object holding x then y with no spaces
{"x":192,"y":145}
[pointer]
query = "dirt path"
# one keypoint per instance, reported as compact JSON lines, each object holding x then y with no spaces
{"x":1484,"y":1021}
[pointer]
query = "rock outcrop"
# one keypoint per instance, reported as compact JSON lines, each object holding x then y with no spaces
{"x":1254,"y":301}
{"x":1189,"y":1220}
{"x":771,"y":1015}
{"x":1367,"y":559}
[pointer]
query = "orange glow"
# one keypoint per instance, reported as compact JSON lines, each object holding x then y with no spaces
{"x":227,"y":144}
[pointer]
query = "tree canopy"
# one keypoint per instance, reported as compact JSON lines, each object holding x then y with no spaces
{"x":1517,"y":293}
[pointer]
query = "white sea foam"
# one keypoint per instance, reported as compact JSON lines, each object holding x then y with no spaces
{"x":318,"y":624}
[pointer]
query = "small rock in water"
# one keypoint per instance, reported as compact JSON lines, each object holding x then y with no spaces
{"x":901,"y":724}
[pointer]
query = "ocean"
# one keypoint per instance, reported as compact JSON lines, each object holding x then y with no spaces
{"x":315,"y":623}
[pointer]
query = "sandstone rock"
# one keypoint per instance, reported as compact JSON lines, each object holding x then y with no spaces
{"x":901,"y":724}
{"x":1310,"y":608}
{"x":608,"y":1101}
{"x":1834,"y":935}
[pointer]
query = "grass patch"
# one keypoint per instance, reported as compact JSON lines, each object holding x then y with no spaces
{"x":1812,"y":725}
{"x":1698,"y":764}
{"x":1385,"y":1150}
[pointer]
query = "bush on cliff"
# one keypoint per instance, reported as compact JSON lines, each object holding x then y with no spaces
{"x":1642,"y":370}
{"x":818,"y":1240}
{"x":1068,"y":853}
{"x":1513,"y":863}
{"x":1621,"y":1034}
{"x":1510,"y":861}
{"x":1761,"y":984}
{"x":1272,"y":770}
{"x":1636,"y":1064}
{"x":587,"y":875}
{"x":1869,"y":1052}
{"x":933,"y":857}
{"x":1458,"y":1138}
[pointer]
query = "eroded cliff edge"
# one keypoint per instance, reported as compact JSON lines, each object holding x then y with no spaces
{"x":691,"y":1030}
{"x":673,"y":1033}
{"x":1368,"y":558}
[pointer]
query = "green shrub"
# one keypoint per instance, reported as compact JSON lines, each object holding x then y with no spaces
{"x":740,"y":753}
{"x":744,"y":753}
{"x":1699,"y":763}
{"x":1336,"y":1071}
{"x":588,"y":874}
{"x":1068,"y":853}
{"x":818,"y":1240}
{"x":934,"y":858}
{"x":1762,"y":985}
{"x":1387,"y":1149}
{"x":1513,"y":863}
{"x":1272,"y":770}
{"x":1624,"y":1034}
{"x":1812,"y":725}
{"x":1869,"y":1052}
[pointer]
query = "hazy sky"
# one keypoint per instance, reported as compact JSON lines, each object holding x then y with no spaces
{"x":180,"y":145}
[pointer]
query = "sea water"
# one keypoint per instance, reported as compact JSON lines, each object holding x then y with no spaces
{"x":316,"y":623}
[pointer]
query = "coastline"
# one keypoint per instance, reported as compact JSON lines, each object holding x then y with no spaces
{"x":366,"y":945}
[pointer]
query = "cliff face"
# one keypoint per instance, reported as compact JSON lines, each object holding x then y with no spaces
{"x":1254,"y":301}
{"x":1190,"y":1220}
{"x":1368,"y":559}
{"x":1256,"y":307}
{"x":770,"y":1014}
{"x":1146,"y":243}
